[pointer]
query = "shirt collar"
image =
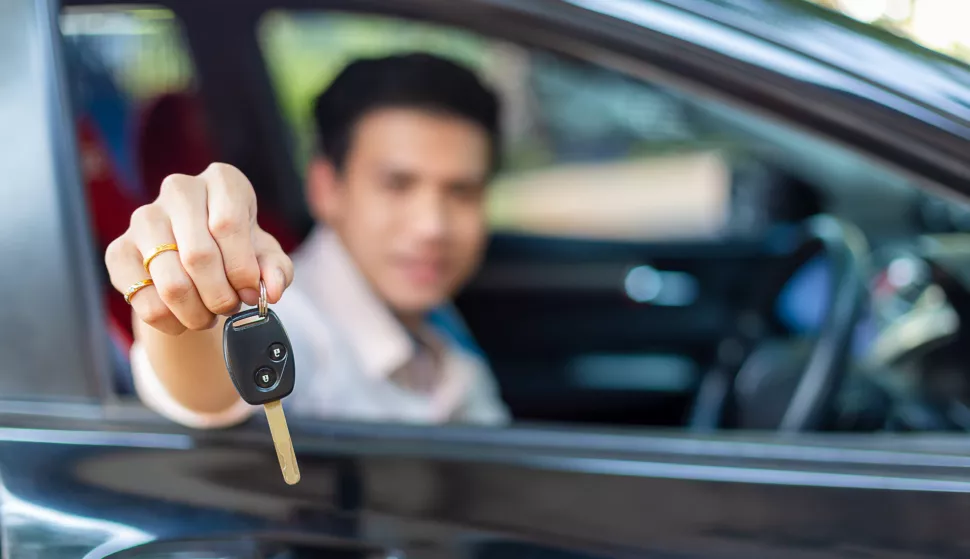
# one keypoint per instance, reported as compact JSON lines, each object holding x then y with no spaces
{"x":327,"y":273}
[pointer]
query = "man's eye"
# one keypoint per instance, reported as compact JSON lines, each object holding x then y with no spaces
{"x":466,"y":191}
{"x":397,"y":183}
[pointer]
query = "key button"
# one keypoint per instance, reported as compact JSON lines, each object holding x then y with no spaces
{"x":276,"y":351}
{"x":265,"y":377}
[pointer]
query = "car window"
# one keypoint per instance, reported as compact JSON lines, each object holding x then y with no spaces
{"x":593,"y":332}
{"x":634,"y":220}
{"x":138,"y":118}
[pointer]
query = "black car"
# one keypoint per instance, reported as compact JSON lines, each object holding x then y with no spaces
{"x":724,"y":300}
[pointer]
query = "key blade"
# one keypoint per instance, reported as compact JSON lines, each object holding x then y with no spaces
{"x":282,"y":441}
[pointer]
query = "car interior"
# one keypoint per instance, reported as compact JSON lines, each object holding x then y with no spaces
{"x":659,"y":257}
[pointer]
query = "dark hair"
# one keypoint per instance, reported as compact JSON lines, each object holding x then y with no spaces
{"x":419,"y":81}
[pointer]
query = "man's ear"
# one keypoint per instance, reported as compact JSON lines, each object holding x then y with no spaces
{"x":321,"y":189}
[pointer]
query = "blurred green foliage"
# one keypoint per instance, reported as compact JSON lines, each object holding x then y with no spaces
{"x":305,"y":51}
{"x":142,"y":48}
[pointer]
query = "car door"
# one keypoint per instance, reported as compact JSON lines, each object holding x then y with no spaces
{"x":87,"y":474}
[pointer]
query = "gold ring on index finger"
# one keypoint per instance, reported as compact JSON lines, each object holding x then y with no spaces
{"x":158,"y":250}
{"x":136,"y":287}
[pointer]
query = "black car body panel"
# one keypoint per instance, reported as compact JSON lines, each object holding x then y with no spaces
{"x":452,"y":492}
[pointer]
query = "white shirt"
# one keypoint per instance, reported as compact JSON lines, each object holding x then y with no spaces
{"x":354,"y":359}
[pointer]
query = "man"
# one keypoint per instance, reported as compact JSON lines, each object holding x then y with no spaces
{"x":407,"y":146}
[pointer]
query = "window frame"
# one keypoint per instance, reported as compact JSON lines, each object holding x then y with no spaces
{"x":53,"y":259}
{"x":566,"y":27}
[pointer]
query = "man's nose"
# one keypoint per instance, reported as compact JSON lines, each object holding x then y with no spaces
{"x":431,"y":215}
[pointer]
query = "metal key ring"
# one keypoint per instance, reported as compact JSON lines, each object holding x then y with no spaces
{"x":263,"y":305}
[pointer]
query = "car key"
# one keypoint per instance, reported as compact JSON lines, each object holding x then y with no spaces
{"x":260,"y":362}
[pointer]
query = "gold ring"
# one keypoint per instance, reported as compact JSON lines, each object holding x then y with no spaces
{"x":158,"y":250}
{"x":136,"y":287}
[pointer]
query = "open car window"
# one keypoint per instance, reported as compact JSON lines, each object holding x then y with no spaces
{"x":633,"y":220}
{"x":583,"y":314}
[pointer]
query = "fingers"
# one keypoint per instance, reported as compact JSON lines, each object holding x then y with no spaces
{"x":221,"y":255}
{"x":125,"y":268}
{"x":231,"y":221}
{"x":150,"y":227}
{"x":185,"y":199}
{"x":275,"y":266}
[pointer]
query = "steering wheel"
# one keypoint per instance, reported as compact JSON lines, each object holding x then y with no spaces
{"x":927,"y":339}
{"x":789,"y":385}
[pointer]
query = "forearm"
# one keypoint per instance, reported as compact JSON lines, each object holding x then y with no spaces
{"x":190,"y":366}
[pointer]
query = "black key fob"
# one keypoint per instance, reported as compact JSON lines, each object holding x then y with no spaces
{"x":258,"y":356}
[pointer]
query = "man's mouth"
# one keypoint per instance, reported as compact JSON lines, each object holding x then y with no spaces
{"x":422,"y":270}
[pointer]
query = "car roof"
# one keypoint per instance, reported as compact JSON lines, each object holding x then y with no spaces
{"x":876,"y":55}
{"x":892,"y":62}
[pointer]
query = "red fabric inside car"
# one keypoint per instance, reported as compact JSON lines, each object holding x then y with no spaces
{"x":110,"y":206}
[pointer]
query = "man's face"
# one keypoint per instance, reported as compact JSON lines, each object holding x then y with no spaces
{"x":409,"y":204}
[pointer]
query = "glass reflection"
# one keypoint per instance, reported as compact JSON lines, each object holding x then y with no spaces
{"x":32,"y":531}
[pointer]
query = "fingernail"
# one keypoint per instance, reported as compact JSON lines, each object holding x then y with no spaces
{"x":249,"y":296}
{"x":281,"y":279}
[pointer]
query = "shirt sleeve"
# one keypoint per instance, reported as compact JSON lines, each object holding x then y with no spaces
{"x":156,"y":397}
